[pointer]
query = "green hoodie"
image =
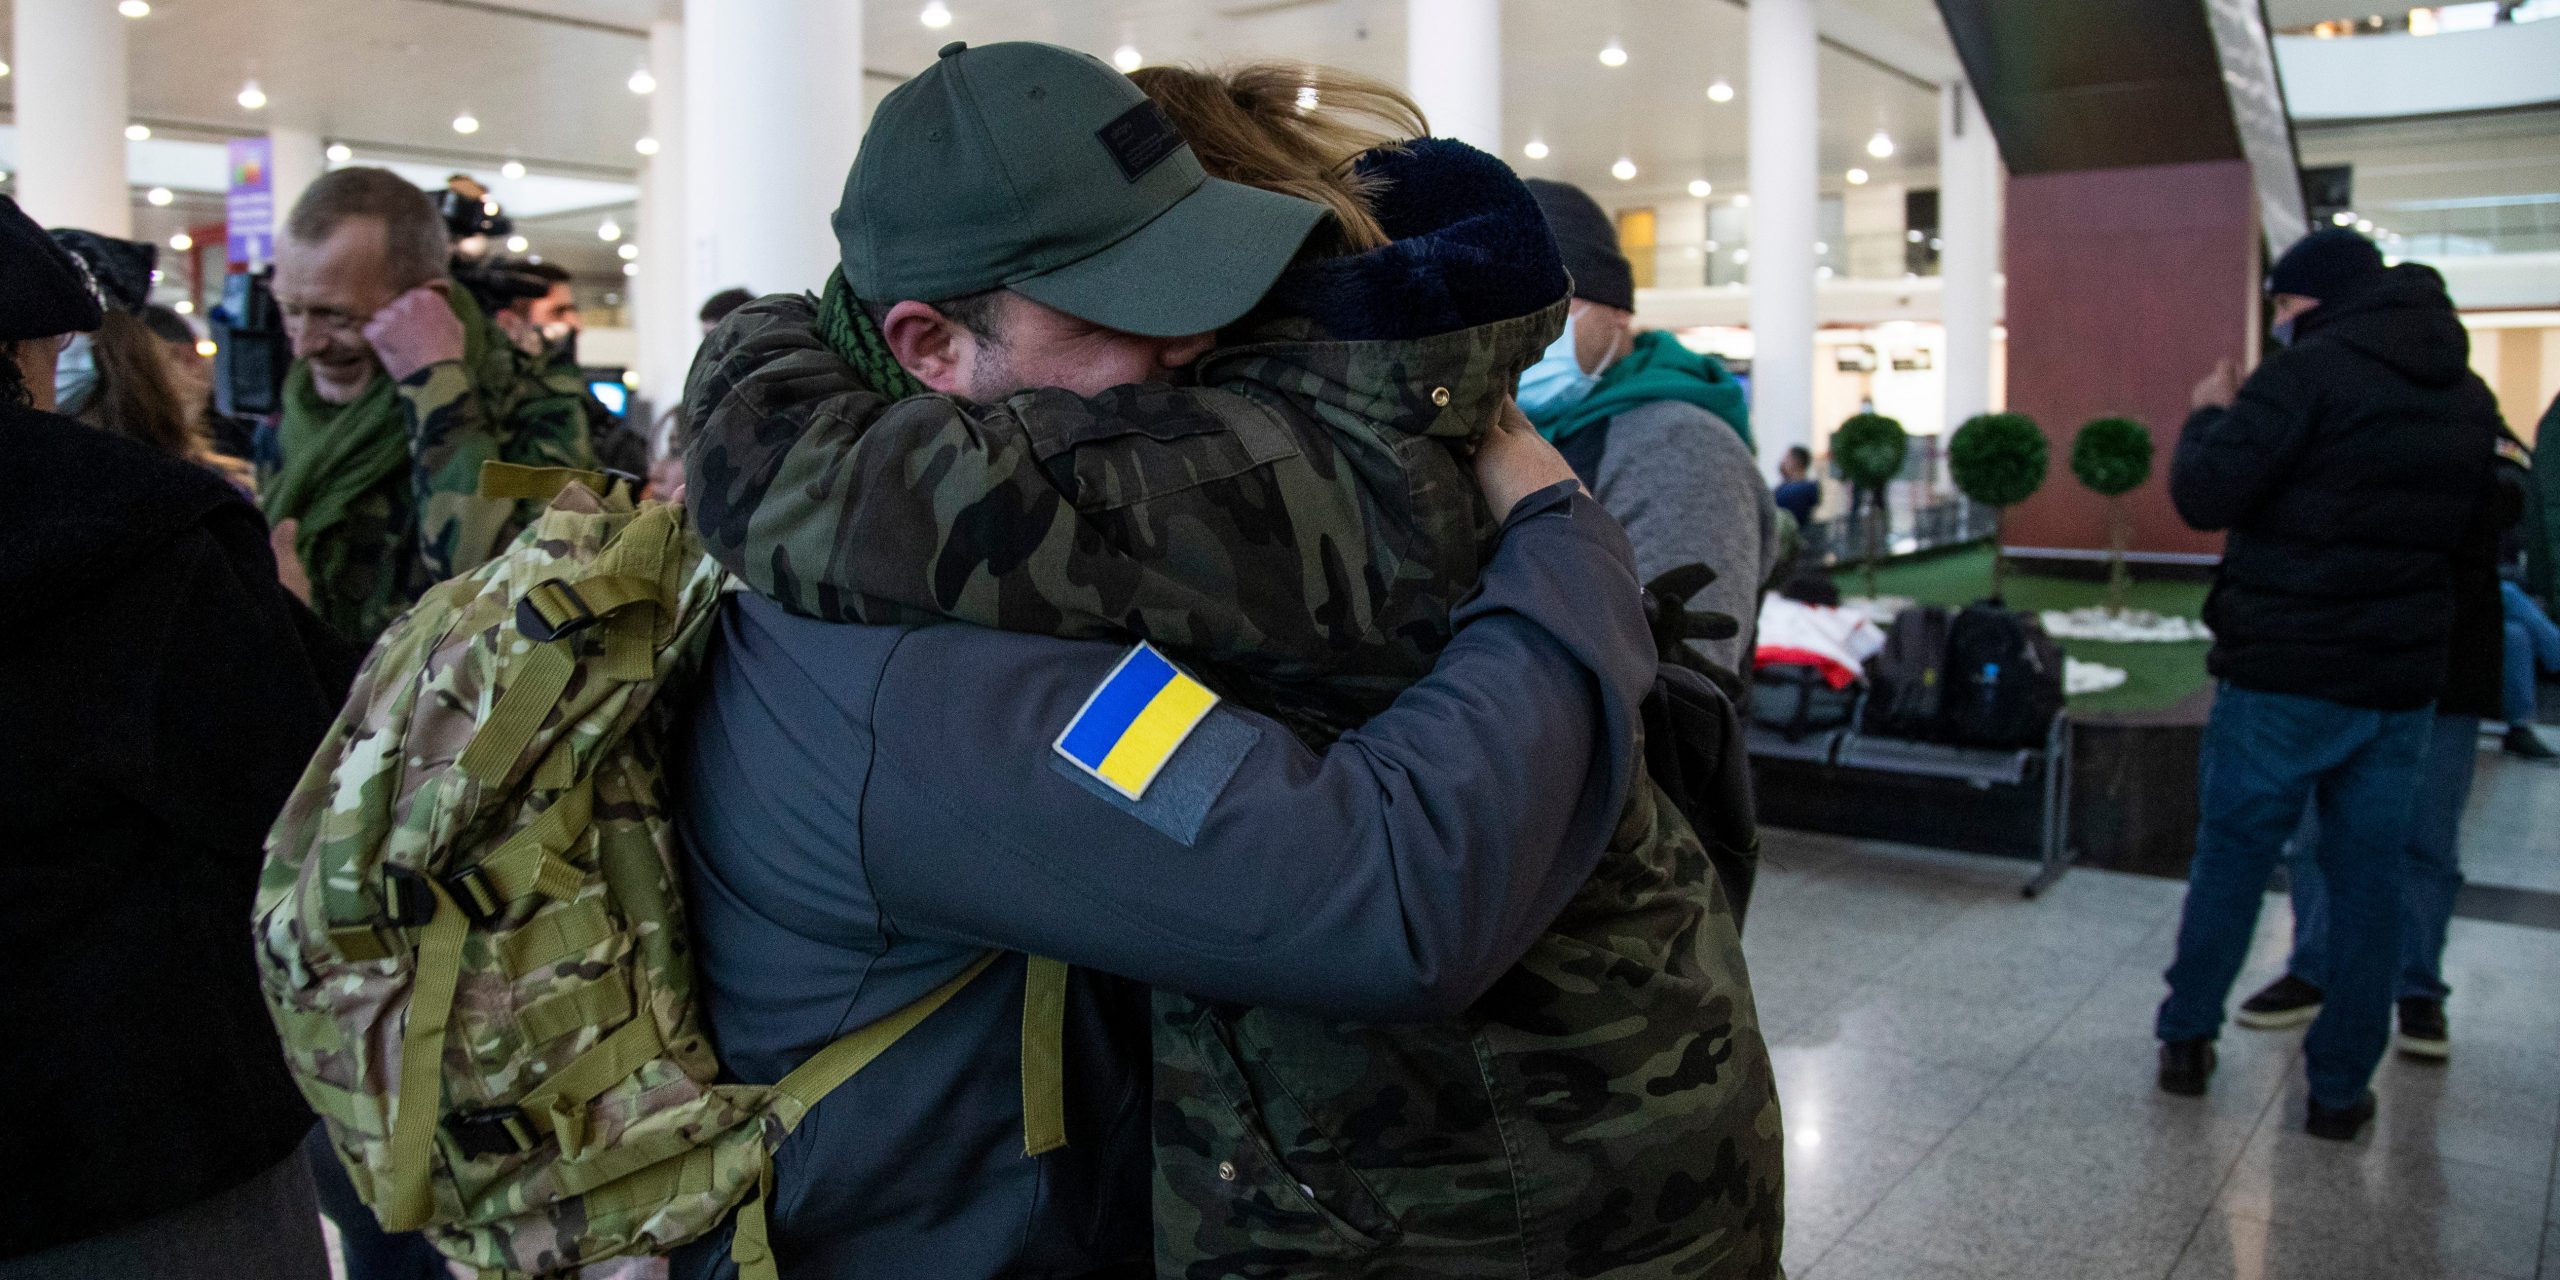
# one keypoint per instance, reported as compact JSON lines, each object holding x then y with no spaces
{"x":1657,"y":368}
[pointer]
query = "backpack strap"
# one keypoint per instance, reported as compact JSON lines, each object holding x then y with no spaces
{"x":1043,"y":1085}
{"x":515,"y":482}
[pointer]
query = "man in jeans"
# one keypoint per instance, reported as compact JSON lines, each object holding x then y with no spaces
{"x":2348,"y":469}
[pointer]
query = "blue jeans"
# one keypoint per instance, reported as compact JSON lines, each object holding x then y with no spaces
{"x":2533,"y":647}
{"x":2266,"y":755}
{"x":2430,"y":875}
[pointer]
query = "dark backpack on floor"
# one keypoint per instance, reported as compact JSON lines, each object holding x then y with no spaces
{"x":1795,"y":700}
{"x":1907,"y":680}
{"x":2003,"y":678}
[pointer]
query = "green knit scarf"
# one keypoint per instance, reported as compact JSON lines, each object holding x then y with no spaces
{"x":850,"y":334}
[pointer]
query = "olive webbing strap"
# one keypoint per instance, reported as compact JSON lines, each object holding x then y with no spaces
{"x":559,"y":1107}
{"x":515,"y":482}
{"x":406,"y":1204}
{"x":518,"y":715}
{"x":1044,"y":1050}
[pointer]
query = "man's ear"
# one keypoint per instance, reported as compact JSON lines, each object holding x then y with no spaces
{"x":930,"y":346}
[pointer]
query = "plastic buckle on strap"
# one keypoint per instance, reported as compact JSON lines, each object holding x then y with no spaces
{"x":407,"y":900}
{"x":497,"y":1131}
{"x":552,"y":610}
{"x":477,"y":895}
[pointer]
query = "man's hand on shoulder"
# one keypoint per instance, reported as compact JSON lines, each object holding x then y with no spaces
{"x":417,"y":330}
{"x":1514,"y":461}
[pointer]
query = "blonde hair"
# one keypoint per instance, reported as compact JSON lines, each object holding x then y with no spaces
{"x":1292,"y":129}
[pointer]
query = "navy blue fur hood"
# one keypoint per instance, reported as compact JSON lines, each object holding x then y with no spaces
{"x":1469,"y":248}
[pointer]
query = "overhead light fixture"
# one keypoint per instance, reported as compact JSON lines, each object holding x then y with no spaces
{"x":2343,"y":217}
{"x":4,"y":68}
{"x":641,"y":82}
{"x":511,"y":169}
{"x":1858,"y":177}
{"x":1821,"y":247}
{"x":1914,"y":235}
{"x":1823,"y":273}
{"x":184,"y":306}
{"x":646,"y":146}
{"x":1127,"y":58}
{"x":1613,"y":54}
{"x":137,"y":132}
{"x":1624,"y":170}
{"x":206,"y":348}
{"x":1308,"y":98}
{"x":1742,"y":201}
{"x":518,"y":244}
{"x":1700,"y":188}
{"x":466,"y":123}
{"x":631,"y":268}
{"x":1536,"y":150}
{"x":160,"y":196}
{"x":182,"y":242}
{"x":1881,"y":145}
{"x":135,"y":8}
{"x":340,"y":153}
{"x":628,"y":251}
{"x":936,"y":15}
{"x":1720,"y":91}
{"x":1936,"y":244}
{"x":252,"y":97}
{"x":609,"y":231}
{"x":1742,"y":255}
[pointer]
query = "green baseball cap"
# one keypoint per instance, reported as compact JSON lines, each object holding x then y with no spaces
{"x":1042,"y":170}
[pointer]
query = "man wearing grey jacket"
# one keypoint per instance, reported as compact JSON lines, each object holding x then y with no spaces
{"x":1661,"y":434}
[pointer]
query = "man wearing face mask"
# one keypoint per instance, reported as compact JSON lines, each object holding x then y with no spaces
{"x":1659,"y":434}
{"x":2350,"y":470}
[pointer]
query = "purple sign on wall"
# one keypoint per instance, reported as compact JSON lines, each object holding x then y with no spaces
{"x":251,"y":208}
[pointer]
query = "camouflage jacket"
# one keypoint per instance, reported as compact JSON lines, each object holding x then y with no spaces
{"x":1297,"y":526}
{"x":427,"y":523}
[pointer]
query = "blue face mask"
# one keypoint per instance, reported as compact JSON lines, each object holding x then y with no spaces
{"x":75,"y":376}
{"x":1556,"y":381}
{"x":2282,"y":330}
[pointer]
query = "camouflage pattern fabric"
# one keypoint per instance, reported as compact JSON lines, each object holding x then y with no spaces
{"x":570,"y":992}
{"x":427,"y":523}
{"x":1296,"y":526}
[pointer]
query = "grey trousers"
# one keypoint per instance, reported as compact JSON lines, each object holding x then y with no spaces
{"x":267,"y":1228}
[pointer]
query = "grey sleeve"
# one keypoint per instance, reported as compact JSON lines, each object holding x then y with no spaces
{"x":1393,"y":877}
{"x":1687,"y":489}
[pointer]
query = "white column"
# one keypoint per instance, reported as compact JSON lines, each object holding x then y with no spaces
{"x":1453,"y":66}
{"x":1785,"y":157}
{"x":70,"y":65}
{"x":297,"y":162}
{"x":1969,"y":233}
{"x":662,"y":293}
{"x":773,"y":116}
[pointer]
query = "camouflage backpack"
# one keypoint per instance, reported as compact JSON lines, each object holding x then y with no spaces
{"x":470,"y":928}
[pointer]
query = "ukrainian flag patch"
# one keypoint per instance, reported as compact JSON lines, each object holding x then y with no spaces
{"x":1135,"y":722}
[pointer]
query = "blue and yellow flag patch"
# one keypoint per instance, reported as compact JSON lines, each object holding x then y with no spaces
{"x":1135,"y":722}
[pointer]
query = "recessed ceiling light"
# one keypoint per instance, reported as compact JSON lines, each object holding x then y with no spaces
{"x":1624,"y":170}
{"x":252,"y":97}
{"x":1613,"y":54}
{"x":182,"y":242}
{"x":628,"y":251}
{"x":1742,"y":255}
{"x":160,"y":196}
{"x":936,"y":15}
{"x":1823,"y":273}
{"x":631,"y":268}
{"x":1536,"y":150}
{"x":466,"y":123}
{"x":4,"y":68}
{"x":511,"y":169}
{"x":609,"y":230}
{"x":136,"y":132}
{"x":340,"y":153}
{"x":1858,"y":177}
{"x":641,"y":81}
{"x":2343,"y":217}
{"x":1915,"y":235}
{"x":207,"y":349}
{"x":184,"y":306}
{"x":1742,"y":201}
{"x":1127,"y":58}
{"x":1881,"y":145}
{"x":518,"y":244}
{"x":646,"y":146}
{"x":1308,"y":98}
{"x":1720,"y":91}
{"x":135,"y":8}
{"x":1701,"y":188}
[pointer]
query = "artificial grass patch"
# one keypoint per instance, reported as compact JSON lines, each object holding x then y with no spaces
{"x":2157,"y":676}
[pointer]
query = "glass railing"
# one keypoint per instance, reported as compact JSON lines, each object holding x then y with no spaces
{"x":2430,"y":20}
{"x":2465,"y":227}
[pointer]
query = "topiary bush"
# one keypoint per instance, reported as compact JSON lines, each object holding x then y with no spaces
{"x":2112,"y":457}
{"x":1869,"y":449}
{"x":1998,"y":460}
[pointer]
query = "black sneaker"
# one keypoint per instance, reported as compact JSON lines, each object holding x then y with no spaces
{"x":2286,"y":1002}
{"x":2341,"y":1124}
{"x":2422,"y":1030}
{"x":2524,"y":744}
{"x":2185,"y":1065}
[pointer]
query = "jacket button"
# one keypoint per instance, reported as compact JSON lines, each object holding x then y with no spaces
{"x":1440,"y":396}
{"x":1226,"y":1171}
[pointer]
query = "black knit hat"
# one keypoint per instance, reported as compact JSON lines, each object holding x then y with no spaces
{"x":122,"y":268}
{"x":2328,"y":264}
{"x":1589,"y":242}
{"x":43,"y":290}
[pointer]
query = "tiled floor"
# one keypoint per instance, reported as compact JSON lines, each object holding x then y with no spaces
{"x":1967,"y":1079}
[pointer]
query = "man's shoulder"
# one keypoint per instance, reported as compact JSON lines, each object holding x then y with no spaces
{"x":1669,"y":428}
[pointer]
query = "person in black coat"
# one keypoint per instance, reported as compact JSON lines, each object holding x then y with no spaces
{"x":2351,"y":470}
{"x":160,"y":693}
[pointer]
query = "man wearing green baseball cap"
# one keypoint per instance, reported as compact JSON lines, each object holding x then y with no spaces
{"x":1022,"y":216}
